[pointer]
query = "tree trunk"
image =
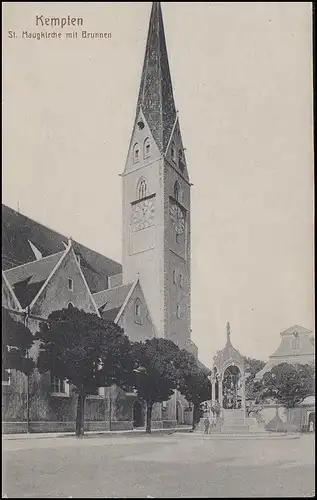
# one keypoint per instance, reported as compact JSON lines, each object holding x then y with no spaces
{"x":149,"y":407}
{"x":80,"y":415}
{"x":195,"y":415}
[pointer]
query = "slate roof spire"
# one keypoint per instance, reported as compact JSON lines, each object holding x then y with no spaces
{"x":156,"y":98}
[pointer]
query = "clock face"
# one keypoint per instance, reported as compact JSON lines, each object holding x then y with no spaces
{"x":177,"y":218}
{"x":143,"y":215}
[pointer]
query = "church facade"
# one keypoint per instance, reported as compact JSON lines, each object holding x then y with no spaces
{"x":148,"y":295}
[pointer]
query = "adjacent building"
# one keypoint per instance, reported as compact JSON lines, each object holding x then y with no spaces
{"x":296,"y":346}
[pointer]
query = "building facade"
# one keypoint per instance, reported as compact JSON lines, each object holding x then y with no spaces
{"x":296,"y":346}
{"x":148,"y":295}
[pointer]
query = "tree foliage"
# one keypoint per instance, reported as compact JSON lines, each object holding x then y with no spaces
{"x":253,"y":387}
{"x":289,"y":384}
{"x":17,"y":339}
{"x":155,"y":377}
{"x":87,"y":351}
{"x":192,"y":381}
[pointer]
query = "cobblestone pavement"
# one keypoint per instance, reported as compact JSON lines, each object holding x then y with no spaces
{"x":177,"y":465}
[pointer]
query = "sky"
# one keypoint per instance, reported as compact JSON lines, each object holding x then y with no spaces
{"x":242,"y":77}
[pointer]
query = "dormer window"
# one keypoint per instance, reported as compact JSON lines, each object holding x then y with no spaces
{"x":147,"y":148}
{"x":136,"y":153}
{"x":142,"y":189}
{"x":70,"y":285}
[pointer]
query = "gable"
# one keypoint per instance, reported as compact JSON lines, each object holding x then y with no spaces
{"x":138,"y":327}
{"x":57,"y":294}
{"x":141,"y":137}
{"x":296,"y":329}
{"x":175,"y":152}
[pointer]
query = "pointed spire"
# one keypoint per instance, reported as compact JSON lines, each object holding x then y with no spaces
{"x":228,"y":332}
{"x":156,"y":98}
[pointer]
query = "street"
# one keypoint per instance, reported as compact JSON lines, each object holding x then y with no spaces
{"x":177,"y":465}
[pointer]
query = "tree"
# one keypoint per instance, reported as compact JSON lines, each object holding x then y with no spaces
{"x":155,"y":377}
{"x":17,"y":339}
{"x":289,"y":384}
{"x":253,"y":387}
{"x":193,"y":381}
{"x":87,"y":351}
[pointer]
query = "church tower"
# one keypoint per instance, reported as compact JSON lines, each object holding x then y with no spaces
{"x":156,"y":196}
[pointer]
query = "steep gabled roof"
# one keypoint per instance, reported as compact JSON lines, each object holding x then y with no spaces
{"x":156,"y":92}
{"x":27,"y":280}
{"x":17,"y":233}
{"x":112,"y":298}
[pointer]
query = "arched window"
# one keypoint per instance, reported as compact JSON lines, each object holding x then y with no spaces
{"x":174,"y":276}
{"x":147,"y":148}
{"x":173,"y":151}
{"x":178,"y":195}
{"x":142,"y":189}
{"x":70,"y":304}
{"x":137,"y":307}
{"x":136,"y":153}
